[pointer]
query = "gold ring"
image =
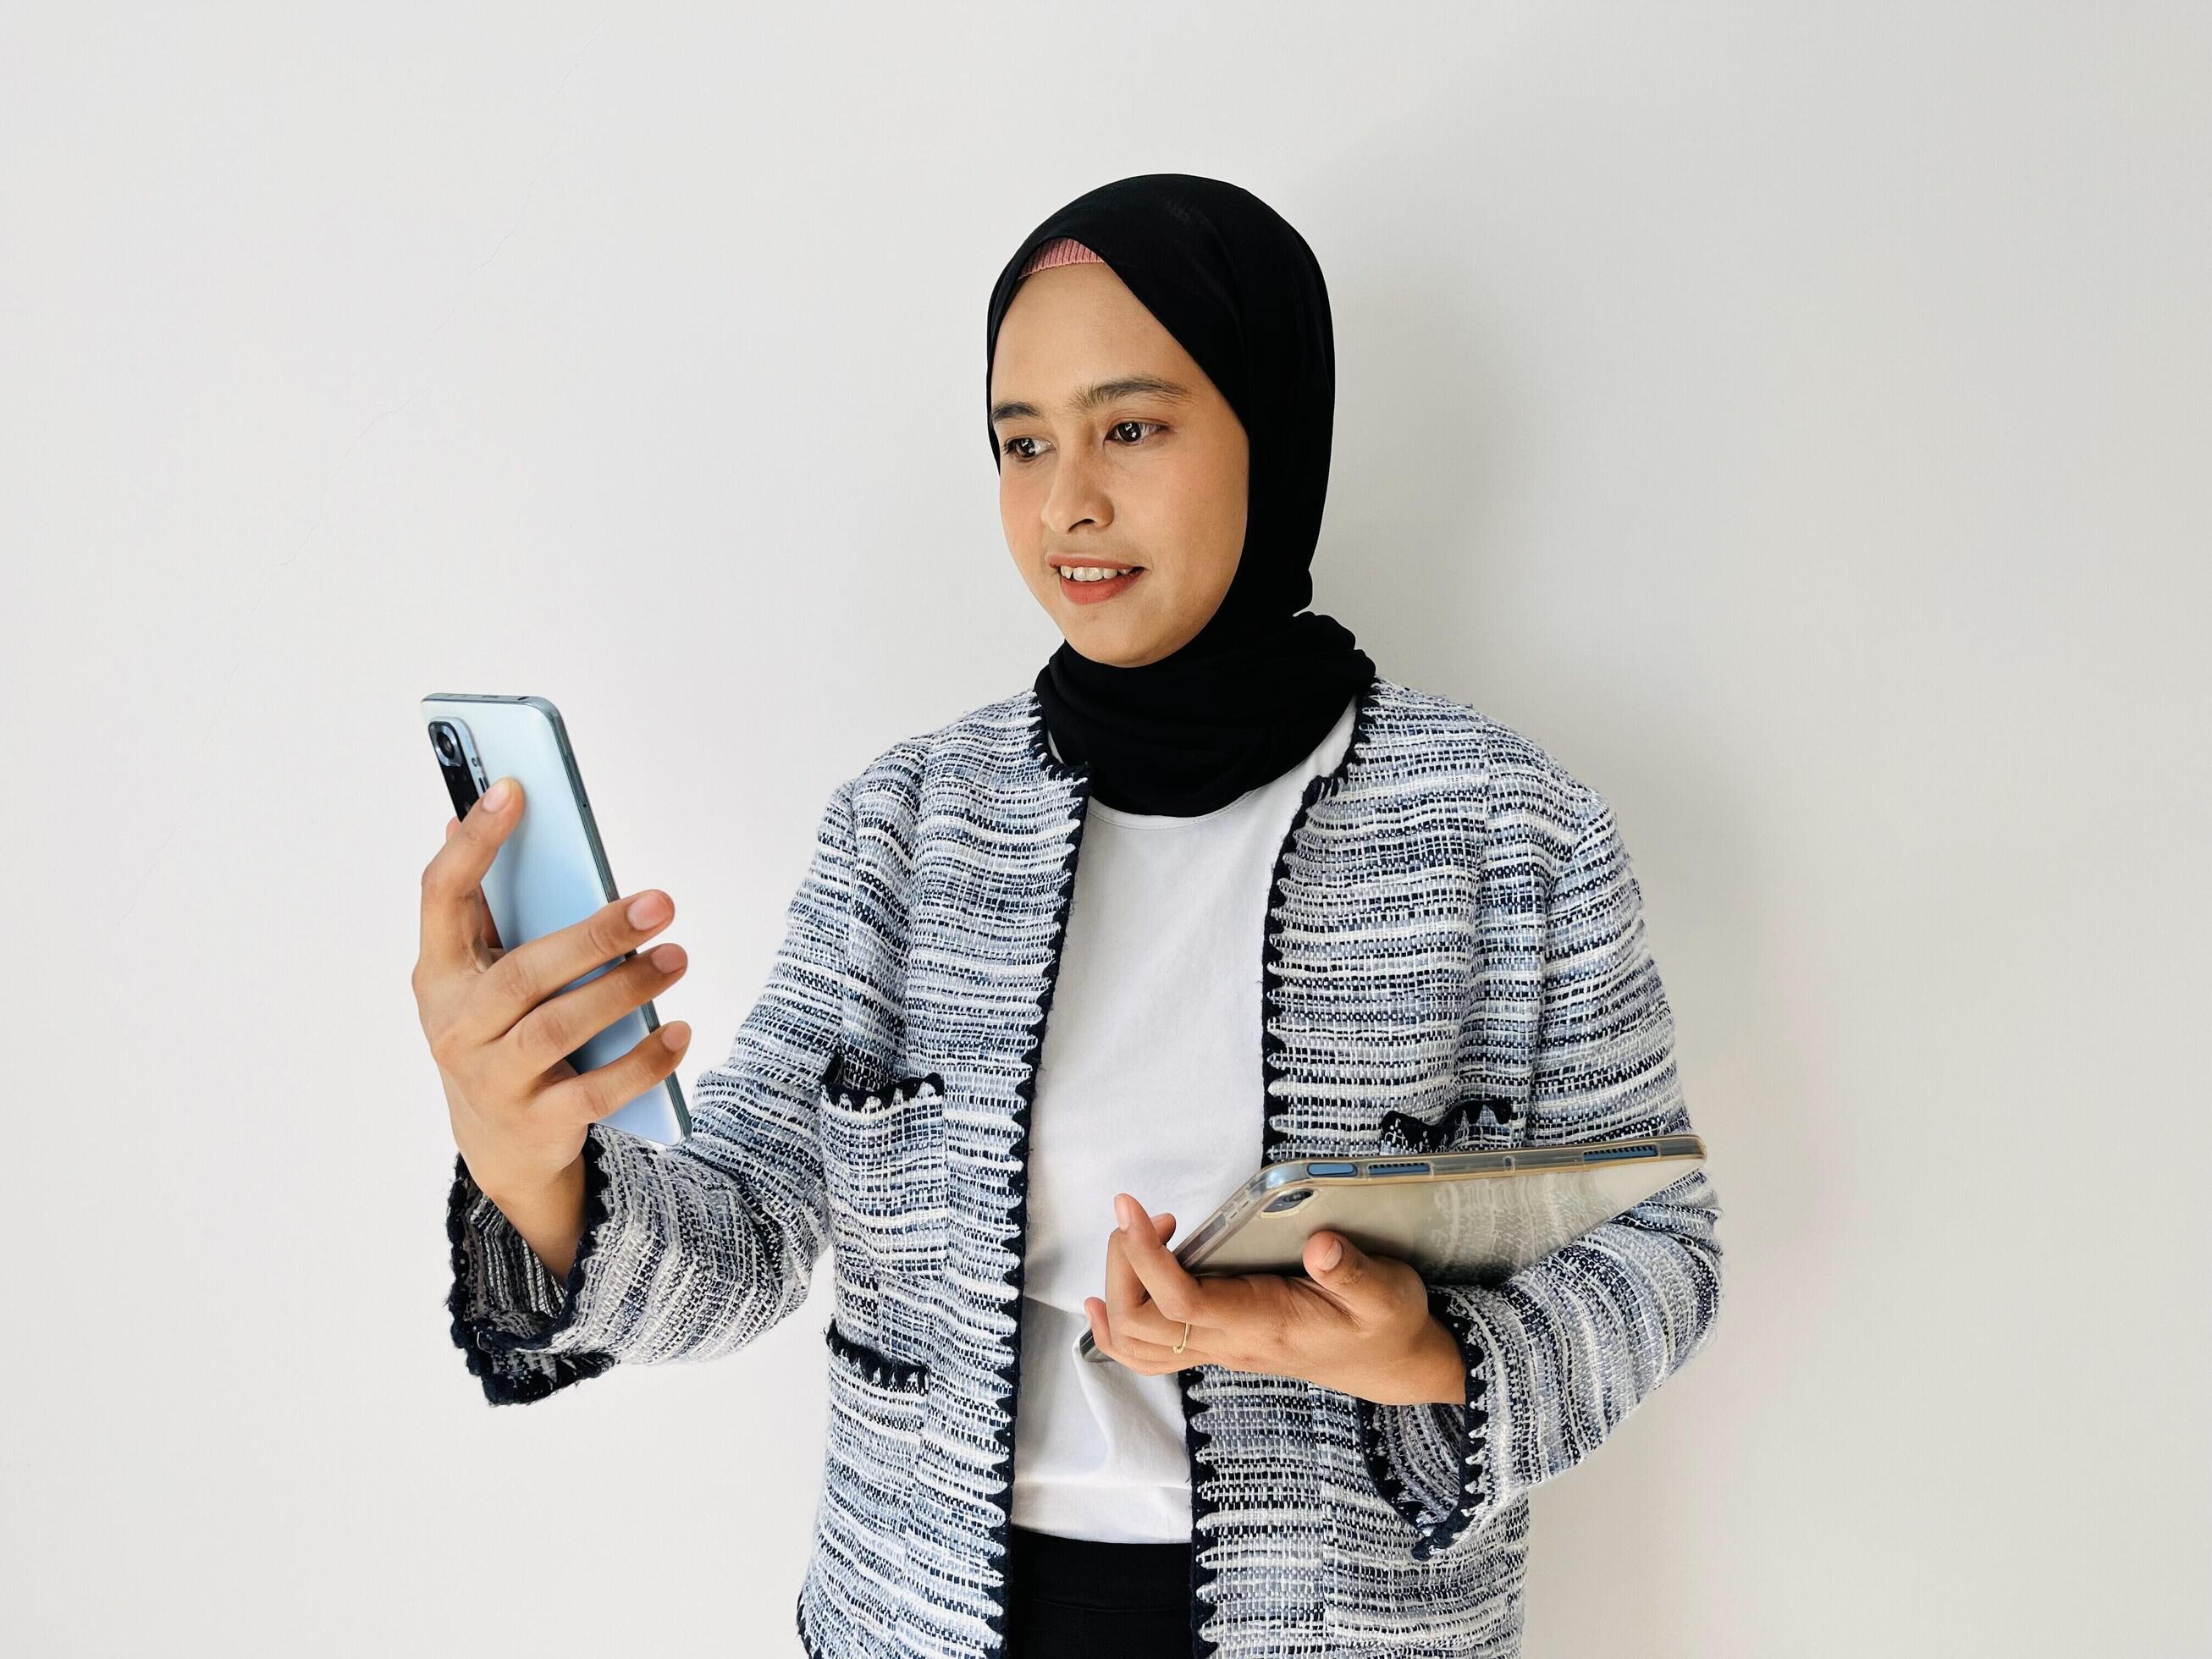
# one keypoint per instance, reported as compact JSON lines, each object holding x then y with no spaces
{"x":1186,"y":1337}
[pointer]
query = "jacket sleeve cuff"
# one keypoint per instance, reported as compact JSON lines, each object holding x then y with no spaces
{"x":514,"y":1322}
{"x":1431,"y":1460}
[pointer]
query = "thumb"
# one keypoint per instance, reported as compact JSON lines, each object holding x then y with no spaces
{"x":1333,"y":1259}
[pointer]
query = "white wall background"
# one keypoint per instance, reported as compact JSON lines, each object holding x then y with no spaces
{"x":1794,"y":417}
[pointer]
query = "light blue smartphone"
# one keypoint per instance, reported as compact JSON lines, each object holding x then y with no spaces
{"x":552,"y":870}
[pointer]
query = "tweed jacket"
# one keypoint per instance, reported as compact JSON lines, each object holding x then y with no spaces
{"x":1453,"y":957}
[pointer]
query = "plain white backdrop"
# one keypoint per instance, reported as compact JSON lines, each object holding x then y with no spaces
{"x":1794,"y":417}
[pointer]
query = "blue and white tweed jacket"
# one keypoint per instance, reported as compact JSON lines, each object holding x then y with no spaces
{"x":1455,"y":958}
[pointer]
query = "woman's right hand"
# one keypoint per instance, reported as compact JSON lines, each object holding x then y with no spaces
{"x":500,"y":1028}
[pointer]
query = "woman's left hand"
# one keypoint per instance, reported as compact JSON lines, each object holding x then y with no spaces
{"x":1360,"y":1323}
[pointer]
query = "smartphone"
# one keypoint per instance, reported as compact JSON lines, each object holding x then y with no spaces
{"x":551,"y":870}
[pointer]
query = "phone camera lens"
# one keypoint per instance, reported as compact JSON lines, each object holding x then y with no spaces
{"x":443,"y":736}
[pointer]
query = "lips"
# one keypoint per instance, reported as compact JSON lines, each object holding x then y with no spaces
{"x":1097,"y":592}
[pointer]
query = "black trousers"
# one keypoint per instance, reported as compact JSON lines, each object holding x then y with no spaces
{"x":1084,"y":1598}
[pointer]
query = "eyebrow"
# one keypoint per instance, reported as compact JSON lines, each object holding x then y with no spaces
{"x":1105,"y":391}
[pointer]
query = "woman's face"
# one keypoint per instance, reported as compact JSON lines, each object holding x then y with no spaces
{"x":1114,"y":453}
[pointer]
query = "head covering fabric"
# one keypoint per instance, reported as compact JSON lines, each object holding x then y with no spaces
{"x":1259,"y":686}
{"x":1060,"y":250}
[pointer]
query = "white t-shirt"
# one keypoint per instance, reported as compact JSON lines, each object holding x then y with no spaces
{"x":1149,"y":1084}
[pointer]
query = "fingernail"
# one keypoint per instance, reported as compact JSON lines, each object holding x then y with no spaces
{"x":647,"y":910}
{"x":496,"y":797}
{"x":1332,"y":1253}
{"x":676,"y":1035}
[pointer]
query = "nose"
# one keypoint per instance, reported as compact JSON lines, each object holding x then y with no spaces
{"x":1077,"y":495}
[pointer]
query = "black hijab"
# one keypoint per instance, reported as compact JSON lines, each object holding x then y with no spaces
{"x":1252,"y":693}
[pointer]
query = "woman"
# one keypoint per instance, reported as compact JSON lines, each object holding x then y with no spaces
{"x":1450,"y":955}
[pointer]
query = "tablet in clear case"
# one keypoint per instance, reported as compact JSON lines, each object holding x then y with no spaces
{"x":1468,"y":1218}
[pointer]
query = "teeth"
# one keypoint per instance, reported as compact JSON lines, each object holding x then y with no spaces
{"x":1089,"y":572}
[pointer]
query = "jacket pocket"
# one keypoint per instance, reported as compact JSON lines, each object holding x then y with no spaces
{"x":1478,"y":1119}
{"x":883,"y":1152}
{"x":877,"y":1403}
{"x":1381,"y":1588}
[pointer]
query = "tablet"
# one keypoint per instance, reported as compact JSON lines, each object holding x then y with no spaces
{"x":1456,"y":1216}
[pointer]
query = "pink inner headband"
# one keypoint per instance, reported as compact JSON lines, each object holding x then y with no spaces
{"x":1060,"y":250}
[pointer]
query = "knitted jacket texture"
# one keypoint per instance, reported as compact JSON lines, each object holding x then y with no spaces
{"x":1454,"y":959}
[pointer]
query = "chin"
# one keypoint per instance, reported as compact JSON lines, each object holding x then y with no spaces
{"x":1100,"y":642}
{"x":1117,"y":646}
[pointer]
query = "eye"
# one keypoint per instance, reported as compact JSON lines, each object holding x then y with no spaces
{"x":1011,"y":446}
{"x":1118,"y":425}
